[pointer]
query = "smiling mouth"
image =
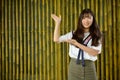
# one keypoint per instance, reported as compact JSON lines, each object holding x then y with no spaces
{"x":87,"y":24}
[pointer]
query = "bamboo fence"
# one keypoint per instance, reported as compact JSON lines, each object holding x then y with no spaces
{"x":27,"y":48}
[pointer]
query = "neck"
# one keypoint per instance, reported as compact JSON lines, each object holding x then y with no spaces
{"x":86,"y":30}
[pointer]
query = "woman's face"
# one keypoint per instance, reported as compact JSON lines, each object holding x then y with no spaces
{"x":87,"y":21}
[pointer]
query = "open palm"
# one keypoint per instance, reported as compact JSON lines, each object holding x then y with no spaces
{"x":57,"y":19}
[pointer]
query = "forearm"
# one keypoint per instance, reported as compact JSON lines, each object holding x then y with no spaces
{"x":88,"y":50}
{"x":56,"y":32}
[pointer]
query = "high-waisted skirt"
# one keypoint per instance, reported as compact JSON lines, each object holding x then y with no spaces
{"x":78,"y":72}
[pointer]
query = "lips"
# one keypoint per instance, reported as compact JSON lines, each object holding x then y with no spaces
{"x":87,"y":24}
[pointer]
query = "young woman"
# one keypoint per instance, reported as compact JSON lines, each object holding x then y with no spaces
{"x":82,"y":54}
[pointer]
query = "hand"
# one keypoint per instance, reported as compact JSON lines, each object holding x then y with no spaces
{"x":56,"y":18}
{"x":73,"y":42}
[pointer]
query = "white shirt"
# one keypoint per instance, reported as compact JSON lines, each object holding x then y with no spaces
{"x":73,"y":51}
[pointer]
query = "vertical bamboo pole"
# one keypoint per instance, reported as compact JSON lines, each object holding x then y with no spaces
{"x":79,"y":8}
{"x":96,"y":12}
{"x":13,"y":40}
{"x":65,"y":27}
{"x":106,"y":47}
{"x":62,"y":12}
{"x":40,"y":40}
{"x":28,"y":38}
{"x":21,"y":39}
{"x":36,"y":39}
{"x":3,"y":38}
{"x":75,"y":13}
{"x":109,"y":38}
{"x":70,"y":28}
{"x":51,"y":41}
{"x":58,"y":55}
{"x":55,"y":49}
{"x":1,"y":43}
{"x":87,"y":3}
{"x":83,"y":4}
{"x":38,"y":20}
{"x":114,"y":40}
{"x":101,"y":68}
{"x":118,"y":33}
{"x":47,"y":38}
{"x":44,"y":39}
{"x":10,"y":40}
{"x":17,"y":42}
{"x":6,"y":41}
{"x":24,"y":36}
{"x":31,"y":43}
{"x":92,"y":5}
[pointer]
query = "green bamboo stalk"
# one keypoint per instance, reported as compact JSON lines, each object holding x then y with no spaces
{"x":21,"y":40}
{"x":118,"y":33}
{"x":63,"y":26}
{"x":58,"y":58}
{"x":106,"y":42}
{"x":79,"y":8}
{"x":101,"y":15}
{"x":88,"y":3}
{"x":28,"y":39}
{"x":6,"y":41}
{"x":92,"y":5}
{"x":96,"y":12}
{"x":114,"y":40}
{"x":36,"y":39}
{"x":17,"y":42}
{"x":110,"y":38}
{"x":71,"y":15}
{"x":48,"y":39}
{"x":24,"y":37}
{"x":55,"y":47}
{"x":3,"y":38}
{"x":32,"y":42}
{"x":5,"y":62}
{"x":83,"y":4}
{"x":13,"y":40}
{"x":40,"y":41}
{"x":67,"y":28}
{"x":1,"y":42}
{"x":101,"y":68}
{"x":10,"y":41}
{"x":75,"y":14}
{"x":51,"y":41}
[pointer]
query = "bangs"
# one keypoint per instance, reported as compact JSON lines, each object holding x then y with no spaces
{"x":86,"y":15}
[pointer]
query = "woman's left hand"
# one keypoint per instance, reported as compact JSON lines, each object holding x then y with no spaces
{"x":73,"y":42}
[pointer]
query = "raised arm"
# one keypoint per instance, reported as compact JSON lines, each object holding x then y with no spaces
{"x":57,"y":25}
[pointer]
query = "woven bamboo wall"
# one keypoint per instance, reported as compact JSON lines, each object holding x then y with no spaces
{"x":28,"y":51}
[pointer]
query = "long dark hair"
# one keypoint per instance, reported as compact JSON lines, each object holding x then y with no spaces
{"x":94,"y":29}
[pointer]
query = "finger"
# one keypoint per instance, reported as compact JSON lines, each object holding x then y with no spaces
{"x":59,"y":16}
{"x":53,"y":15}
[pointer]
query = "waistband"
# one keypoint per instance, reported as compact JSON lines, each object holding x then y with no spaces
{"x":73,"y":59}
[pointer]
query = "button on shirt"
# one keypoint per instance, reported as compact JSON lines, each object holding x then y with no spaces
{"x":73,"y":51}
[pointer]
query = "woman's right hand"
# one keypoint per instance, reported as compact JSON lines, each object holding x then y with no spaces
{"x":57,"y":19}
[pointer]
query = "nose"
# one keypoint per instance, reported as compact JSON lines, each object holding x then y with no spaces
{"x":86,"y":20}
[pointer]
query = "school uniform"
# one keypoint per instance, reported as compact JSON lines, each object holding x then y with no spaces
{"x":77,"y":71}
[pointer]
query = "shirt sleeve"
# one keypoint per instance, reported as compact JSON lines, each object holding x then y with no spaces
{"x":99,"y":47}
{"x":65,"y":37}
